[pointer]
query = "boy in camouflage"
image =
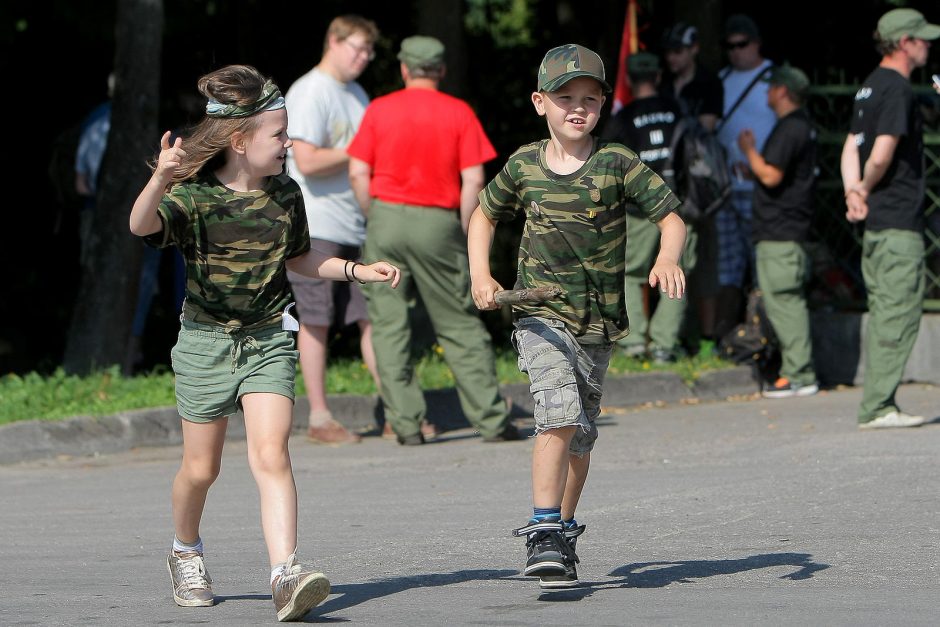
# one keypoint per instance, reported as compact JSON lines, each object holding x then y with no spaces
{"x":574,"y":190}
{"x":239,"y":222}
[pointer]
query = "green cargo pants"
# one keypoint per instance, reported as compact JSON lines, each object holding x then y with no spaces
{"x":893,"y":268}
{"x":431,"y":249}
{"x":664,"y":325}
{"x":782,"y":272}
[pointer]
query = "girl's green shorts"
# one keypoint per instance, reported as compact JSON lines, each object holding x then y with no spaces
{"x":215,"y":367}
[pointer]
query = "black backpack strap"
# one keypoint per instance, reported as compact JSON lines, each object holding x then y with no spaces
{"x":737,"y":103}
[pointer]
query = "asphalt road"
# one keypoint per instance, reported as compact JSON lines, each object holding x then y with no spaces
{"x":741,"y":513}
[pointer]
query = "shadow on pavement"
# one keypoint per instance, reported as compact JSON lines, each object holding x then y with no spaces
{"x":356,"y":593}
{"x":659,"y":574}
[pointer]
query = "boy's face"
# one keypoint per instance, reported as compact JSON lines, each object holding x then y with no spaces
{"x":573,"y":110}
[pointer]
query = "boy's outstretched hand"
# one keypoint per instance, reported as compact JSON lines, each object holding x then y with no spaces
{"x":669,"y":277}
{"x":484,"y":292}
{"x":378,"y":272}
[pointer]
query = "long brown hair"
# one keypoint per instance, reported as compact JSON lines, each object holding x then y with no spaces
{"x":232,"y":84}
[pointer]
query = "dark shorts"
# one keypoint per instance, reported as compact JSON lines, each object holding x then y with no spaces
{"x":215,"y":368}
{"x":323,"y":302}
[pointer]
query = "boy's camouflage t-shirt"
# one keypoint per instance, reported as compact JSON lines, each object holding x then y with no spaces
{"x":575,"y":231}
{"x":235,"y":245}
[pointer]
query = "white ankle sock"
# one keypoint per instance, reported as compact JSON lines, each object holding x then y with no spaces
{"x":181,"y":547}
{"x":277,"y":571}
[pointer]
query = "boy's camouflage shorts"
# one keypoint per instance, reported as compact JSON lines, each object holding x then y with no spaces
{"x":214,"y":368}
{"x":566,"y":378}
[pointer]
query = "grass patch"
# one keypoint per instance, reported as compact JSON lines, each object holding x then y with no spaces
{"x":59,"y":395}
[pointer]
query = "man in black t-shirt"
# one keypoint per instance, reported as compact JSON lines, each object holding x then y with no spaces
{"x":883,"y":175}
{"x":646,"y":126}
{"x":783,"y":208}
{"x":699,"y":93}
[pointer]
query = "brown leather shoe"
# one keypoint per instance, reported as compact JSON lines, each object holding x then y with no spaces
{"x":332,"y":433}
{"x":429,"y":431}
{"x":295,"y":593}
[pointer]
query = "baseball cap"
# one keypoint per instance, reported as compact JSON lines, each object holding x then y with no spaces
{"x":680,"y":35}
{"x":561,"y":64}
{"x":900,"y":22}
{"x":642,"y":62}
{"x":421,"y":51}
{"x":790,"y":77}
{"x":740,"y":24}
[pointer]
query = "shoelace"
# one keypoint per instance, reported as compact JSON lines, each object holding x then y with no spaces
{"x":193,"y":572}
{"x":292,"y":570}
{"x":555,"y":536}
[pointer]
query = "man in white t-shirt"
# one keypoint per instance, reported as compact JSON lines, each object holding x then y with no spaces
{"x":745,"y":76}
{"x":326,"y":105}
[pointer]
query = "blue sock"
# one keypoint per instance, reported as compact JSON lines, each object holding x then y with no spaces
{"x":540,"y":514}
{"x":569,"y":524}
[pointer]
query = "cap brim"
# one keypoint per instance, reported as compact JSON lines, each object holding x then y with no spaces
{"x":555,"y":84}
{"x":928,"y":32}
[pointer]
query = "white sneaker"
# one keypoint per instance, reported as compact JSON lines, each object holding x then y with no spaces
{"x":893,"y":420}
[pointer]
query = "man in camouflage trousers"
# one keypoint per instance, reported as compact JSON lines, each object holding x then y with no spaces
{"x":574,"y":191}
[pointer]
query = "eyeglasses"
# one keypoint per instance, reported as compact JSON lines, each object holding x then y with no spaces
{"x":366,"y":50}
{"x":734,"y":45}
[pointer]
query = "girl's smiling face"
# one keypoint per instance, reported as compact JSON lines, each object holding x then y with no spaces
{"x":266,"y":148}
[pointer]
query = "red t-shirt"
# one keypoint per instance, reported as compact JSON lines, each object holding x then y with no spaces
{"x":417,"y":141}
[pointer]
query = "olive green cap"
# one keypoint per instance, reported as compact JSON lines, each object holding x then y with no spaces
{"x":421,"y":51}
{"x":561,"y":64}
{"x":900,"y":22}
{"x":790,"y":77}
{"x":642,"y":63}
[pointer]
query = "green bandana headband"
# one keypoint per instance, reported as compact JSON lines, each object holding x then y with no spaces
{"x":269,"y":100}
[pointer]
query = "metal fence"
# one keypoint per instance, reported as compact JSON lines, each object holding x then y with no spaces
{"x":838,"y":257}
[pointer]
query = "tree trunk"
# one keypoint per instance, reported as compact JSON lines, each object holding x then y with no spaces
{"x":101,"y":321}
{"x":444,"y":19}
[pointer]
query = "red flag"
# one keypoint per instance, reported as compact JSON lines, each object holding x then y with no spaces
{"x":629,"y":44}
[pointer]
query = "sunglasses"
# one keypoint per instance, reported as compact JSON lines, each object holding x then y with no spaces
{"x":733,"y":45}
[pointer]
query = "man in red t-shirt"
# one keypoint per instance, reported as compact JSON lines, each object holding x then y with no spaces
{"x":416,"y":167}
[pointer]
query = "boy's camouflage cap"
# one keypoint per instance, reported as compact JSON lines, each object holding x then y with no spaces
{"x":561,"y":64}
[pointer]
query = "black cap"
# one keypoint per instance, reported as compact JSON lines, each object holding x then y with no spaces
{"x":741,"y":24}
{"x":681,"y":35}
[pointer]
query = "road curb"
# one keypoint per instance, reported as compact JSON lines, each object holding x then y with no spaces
{"x":87,"y":436}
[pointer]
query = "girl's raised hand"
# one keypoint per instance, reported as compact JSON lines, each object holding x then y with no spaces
{"x":378,"y":272}
{"x":170,"y":157}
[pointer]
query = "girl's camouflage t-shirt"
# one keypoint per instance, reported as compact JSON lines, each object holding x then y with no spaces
{"x":235,"y":245}
{"x":575,"y":231}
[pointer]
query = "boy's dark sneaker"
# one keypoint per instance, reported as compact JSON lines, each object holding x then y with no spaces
{"x":568,"y":579}
{"x":547,"y":548}
{"x":784,"y":388}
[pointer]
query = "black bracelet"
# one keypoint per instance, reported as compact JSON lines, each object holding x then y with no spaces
{"x":346,"y":270}
{"x":356,"y":263}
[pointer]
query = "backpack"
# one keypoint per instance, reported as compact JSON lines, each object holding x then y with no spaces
{"x":697,"y":170}
{"x":753,"y":341}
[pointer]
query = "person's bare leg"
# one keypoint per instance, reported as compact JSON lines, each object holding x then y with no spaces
{"x":368,"y":353}
{"x":550,"y":466}
{"x":202,"y":460}
{"x":312,"y":344}
{"x":268,"y":419}
{"x":577,"y":475}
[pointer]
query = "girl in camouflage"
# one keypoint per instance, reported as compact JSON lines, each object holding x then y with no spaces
{"x":223,"y":198}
